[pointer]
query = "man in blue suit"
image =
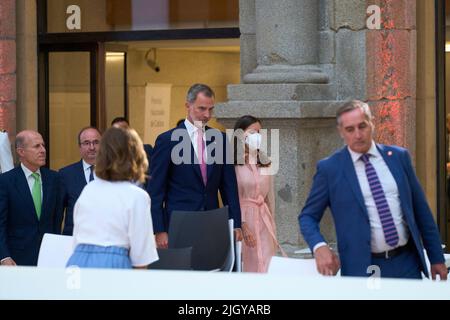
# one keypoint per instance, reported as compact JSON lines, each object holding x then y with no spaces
{"x":192,"y":184}
{"x":380,"y":213}
{"x":76,"y":175}
{"x":121,"y":122}
{"x":30,"y":203}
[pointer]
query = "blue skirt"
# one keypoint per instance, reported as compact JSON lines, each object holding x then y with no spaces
{"x":93,"y":256}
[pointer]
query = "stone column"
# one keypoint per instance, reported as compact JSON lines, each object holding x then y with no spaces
{"x":287,"y":42}
{"x":27,"y":73}
{"x":300,"y":60}
{"x":391,"y":73}
{"x":8,"y":66}
{"x":287,"y":83}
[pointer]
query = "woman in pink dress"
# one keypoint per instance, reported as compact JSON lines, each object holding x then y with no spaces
{"x":256,"y":197}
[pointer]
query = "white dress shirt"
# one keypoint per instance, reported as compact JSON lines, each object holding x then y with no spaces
{"x":30,"y":180}
{"x":6,"y":160}
{"x":116,"y":214}
{"x":193,"y":132}
{"x":390,"y":189}
{"x":87,"y":171}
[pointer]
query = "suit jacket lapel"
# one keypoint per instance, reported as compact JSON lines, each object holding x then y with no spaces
{"x":210,"y":165}
{"x":47,"y":186}
{"x":81,"y":177}
{"x":24,"y":189}
{"x":196,"y":163}
{"x":194,"y":160}
{"x":350,"y":174}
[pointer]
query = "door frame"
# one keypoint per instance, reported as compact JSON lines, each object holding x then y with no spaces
{"x":43,"y":85}
{"x":442,"y":186}
{"x":94,"y":42}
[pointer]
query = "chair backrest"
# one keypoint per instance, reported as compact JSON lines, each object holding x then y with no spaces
{"x":207,"y":232}
{"x":55,"y":251}
{"x":228,"y":265}
{"x":173,"y":259}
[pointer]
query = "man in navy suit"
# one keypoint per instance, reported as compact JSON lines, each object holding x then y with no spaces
{"x":121,"y":122}
{"x":76,"y":175}
{"x":380,"y":213}
{"x":30,"y":203}
{"x":193,"y":184}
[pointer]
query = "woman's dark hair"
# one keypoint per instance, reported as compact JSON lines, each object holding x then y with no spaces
{"x":240,"y":147}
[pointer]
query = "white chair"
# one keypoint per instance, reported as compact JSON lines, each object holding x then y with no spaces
{"x":446,"y":257}
{"x":292,"y":266}
{"x":238,"y":249}
{"x":229,"y":262}
{"x":55,"y":251}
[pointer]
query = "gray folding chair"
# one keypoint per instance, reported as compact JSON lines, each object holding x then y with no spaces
{"x":208,"y":233}
{"x":173,"y":259}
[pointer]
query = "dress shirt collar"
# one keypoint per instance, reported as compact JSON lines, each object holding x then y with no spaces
{"x":28,"y":172}
{"x":190,"y":127}
{"x":86,"y":166}
{"x":373,"y":151}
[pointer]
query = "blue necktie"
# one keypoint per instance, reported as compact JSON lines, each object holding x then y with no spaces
{"x":91,"y":175}
{"x":387,"y":222}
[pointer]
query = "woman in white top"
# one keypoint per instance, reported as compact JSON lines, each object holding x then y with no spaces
{"x":112,"y":220}
{"x":6,"y":160}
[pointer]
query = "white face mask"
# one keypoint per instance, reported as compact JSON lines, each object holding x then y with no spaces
{"x":253,"y":140}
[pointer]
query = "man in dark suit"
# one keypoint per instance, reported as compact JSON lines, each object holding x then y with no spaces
{"x":193,"y":183}
{"x":76,"y":175}
{"x":381,"y":215}
{"x":30,"y":203}
{"x":121,"y":122}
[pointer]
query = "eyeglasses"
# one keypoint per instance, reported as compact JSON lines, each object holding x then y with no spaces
{"x":89,"y":143}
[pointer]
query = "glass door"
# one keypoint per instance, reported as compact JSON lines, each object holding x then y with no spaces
{"x":67,"y":100}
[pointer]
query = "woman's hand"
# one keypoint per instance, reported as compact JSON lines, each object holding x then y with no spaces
{"x":249,"y":238}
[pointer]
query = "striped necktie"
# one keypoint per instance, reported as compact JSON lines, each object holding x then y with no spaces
{"x":387,"y":222}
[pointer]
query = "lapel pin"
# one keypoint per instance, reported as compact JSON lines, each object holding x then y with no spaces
{"x":389,"y":153}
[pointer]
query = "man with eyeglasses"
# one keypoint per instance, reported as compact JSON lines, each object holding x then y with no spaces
{"x":77,"y":175}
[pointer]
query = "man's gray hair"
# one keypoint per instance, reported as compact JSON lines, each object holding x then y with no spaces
{"x":195,"y":89}
{"x":20,"y":141}
{"x":352,"y":105}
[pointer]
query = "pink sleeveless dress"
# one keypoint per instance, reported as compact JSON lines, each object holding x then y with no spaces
{"x":256,"y":197}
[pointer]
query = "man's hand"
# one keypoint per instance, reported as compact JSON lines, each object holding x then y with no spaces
{"x":327,"y":261}
{"x":238,"y":234}
{"x":440,"y":269}
{"x":162,"y":240}
{"x":9,"y":262}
